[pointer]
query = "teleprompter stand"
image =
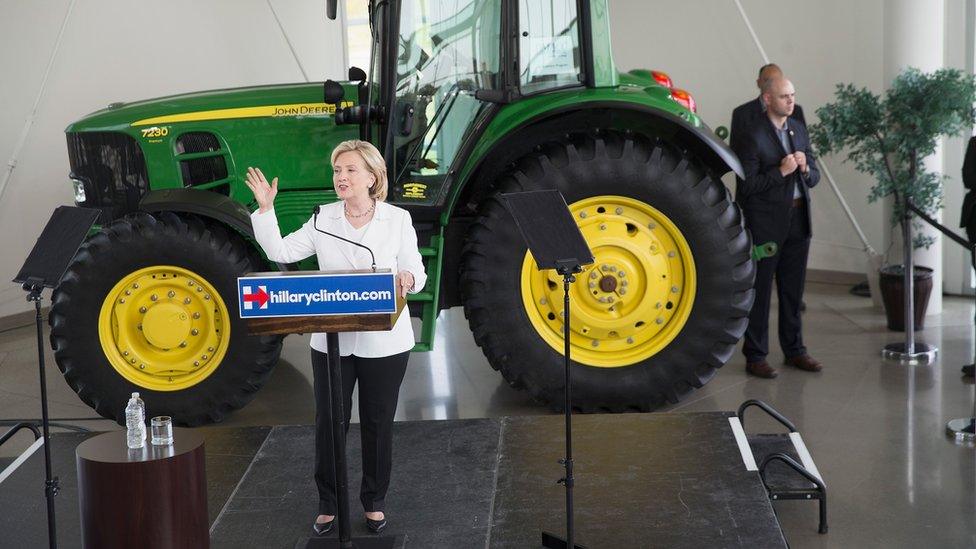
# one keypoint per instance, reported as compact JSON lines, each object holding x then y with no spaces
{"x":332,"y":325}
{"x":555,"y":242}
{"x":44,"y":267}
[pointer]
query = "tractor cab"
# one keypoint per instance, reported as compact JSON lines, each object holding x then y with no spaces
{"x":438,"y":74}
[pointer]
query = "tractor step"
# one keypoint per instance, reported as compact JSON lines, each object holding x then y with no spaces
{"x":428,"y":300}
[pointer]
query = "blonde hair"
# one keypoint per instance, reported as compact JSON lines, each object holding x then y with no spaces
{"x":374,"y":164}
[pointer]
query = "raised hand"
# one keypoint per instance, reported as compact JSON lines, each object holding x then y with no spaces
{"x":263,"y":192}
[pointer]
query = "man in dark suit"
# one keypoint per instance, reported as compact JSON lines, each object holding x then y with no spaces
{"x":968,"y":220}
{"x":780,"y":170}
{"x":751,"y":111}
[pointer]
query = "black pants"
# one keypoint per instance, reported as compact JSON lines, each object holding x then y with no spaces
{"x":789,"y":267}
{"x":379,"y":386}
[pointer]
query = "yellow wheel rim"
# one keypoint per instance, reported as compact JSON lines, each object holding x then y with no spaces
{"x":164,"y":328}
{"x":633,"y":301}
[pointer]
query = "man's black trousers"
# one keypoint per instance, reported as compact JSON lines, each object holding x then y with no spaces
{"x":379,"y":387}
{"x":789,"y":267}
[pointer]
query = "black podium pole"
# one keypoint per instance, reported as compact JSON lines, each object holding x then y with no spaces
{"x":44,"y":267}
{"x":551,"y":234}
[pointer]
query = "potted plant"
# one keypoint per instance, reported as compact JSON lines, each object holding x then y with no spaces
{"x":887,"y":138}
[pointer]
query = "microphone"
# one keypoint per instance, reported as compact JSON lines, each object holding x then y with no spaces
{"x":315,"y":218}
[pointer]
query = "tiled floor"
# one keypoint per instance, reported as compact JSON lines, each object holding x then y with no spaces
{"x":875,"y":429}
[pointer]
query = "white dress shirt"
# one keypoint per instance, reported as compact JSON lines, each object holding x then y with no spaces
{"x":391,"y":236}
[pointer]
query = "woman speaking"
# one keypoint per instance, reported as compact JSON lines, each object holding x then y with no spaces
{"x":377,"y":360}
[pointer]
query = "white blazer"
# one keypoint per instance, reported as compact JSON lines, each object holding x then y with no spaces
{"x":393,"y":240}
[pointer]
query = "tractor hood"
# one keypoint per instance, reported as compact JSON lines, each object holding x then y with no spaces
{"x":224,"y":103}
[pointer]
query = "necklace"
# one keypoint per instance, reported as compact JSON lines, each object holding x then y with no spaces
{"x":364,"y":214}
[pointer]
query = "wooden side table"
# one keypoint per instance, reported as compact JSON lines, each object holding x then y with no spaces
{"x":152,"y":497}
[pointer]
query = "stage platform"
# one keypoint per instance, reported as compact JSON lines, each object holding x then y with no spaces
{"x":642,"y":480}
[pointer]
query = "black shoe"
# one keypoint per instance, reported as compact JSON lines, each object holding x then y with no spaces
{"x":323,"y":528}
{"x":968,"y":370}
{"x":376,"y":526}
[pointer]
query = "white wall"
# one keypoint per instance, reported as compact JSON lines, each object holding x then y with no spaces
{"x":123,"y":50}
{"x":706,"y":48}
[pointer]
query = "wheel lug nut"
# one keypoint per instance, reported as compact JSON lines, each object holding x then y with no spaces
{"x":610,"y":299}
{"x":604,"y":268}
{"x":613,"y":269}
{"x":593,"y":274}
{"x":592,"y":284}
{"x":621,"y":273}
{"x":623,"y":291}
{"x":154,"y":297}
{"x":171,"y":293}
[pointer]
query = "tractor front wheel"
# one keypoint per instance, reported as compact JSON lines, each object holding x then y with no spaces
{"x":148,"y":305}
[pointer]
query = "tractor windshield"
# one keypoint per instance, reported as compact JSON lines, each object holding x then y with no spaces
{"x":446,"y":50}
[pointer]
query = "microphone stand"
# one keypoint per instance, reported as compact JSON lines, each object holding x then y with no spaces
{"x":315,"y":219}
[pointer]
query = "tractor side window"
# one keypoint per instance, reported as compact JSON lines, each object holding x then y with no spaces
{"x":549,"y":45}
{"x":447,"y":50}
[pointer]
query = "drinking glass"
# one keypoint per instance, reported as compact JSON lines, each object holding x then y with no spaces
{"x":162,"y":430}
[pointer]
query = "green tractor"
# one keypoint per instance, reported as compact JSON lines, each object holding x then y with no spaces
{"x":465,"y":103}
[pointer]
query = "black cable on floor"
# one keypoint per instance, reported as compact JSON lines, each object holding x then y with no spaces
{"x":11,"y":422}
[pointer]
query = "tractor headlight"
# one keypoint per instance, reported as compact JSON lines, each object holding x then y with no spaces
{"x":79,"y":186}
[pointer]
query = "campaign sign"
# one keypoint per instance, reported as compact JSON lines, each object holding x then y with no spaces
{"x":315,"y":294}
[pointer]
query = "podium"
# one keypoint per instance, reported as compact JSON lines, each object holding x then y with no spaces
{"x":327,"y":302}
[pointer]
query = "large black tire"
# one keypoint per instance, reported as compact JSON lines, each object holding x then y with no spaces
{"x":136,"y":242}
{"x":610,"y":163}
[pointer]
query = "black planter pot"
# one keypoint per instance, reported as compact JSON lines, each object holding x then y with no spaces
{"x":893,"y":295}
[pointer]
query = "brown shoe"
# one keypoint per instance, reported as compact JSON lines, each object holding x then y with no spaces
{"x":804,"y":362}
{"x":761,"y":369}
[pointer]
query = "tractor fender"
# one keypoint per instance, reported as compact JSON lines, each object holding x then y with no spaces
{"x":217,"y":207}
{"x":700,"y":140}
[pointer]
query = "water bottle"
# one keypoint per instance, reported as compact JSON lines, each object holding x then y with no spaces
{"x":135,"y":422}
